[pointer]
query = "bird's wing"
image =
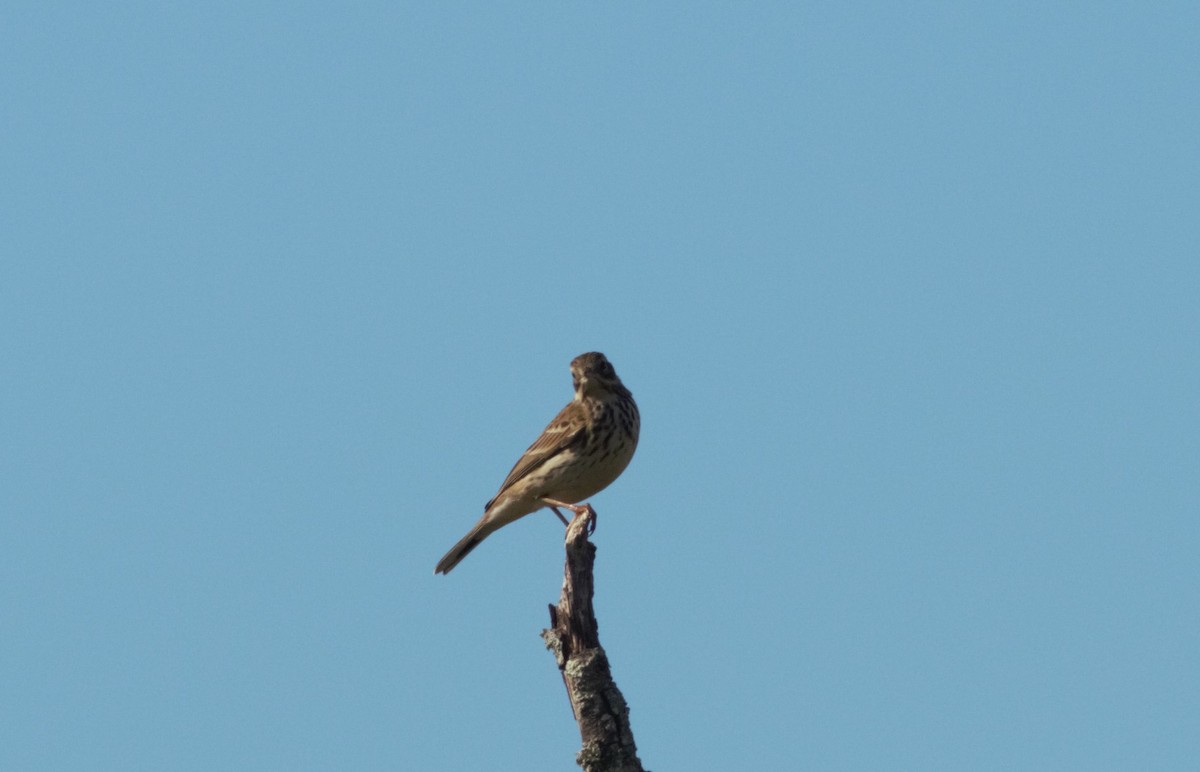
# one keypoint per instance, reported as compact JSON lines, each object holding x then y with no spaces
{"x":567,"y":428}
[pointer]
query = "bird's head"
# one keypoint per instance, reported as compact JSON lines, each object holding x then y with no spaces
{"x":593,"y":375}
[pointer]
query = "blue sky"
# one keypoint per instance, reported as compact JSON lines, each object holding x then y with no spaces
{"x":907,"y":296}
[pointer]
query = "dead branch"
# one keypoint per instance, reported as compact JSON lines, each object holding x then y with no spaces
{"x":574,"y":637}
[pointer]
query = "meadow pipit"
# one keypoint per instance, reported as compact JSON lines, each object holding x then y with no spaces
{"x":586,"y":446}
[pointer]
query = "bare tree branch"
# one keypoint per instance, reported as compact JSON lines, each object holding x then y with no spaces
{"x":574,"y":637}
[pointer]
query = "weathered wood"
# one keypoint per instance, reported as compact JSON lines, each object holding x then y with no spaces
{"x":574,"y":638}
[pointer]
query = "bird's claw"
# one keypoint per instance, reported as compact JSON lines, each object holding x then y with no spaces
{"x":578,"y":509}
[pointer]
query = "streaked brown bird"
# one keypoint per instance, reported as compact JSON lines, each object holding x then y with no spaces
{"x":587,"y":446}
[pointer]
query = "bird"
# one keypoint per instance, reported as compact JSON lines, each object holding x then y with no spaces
{"x":579,"y":453}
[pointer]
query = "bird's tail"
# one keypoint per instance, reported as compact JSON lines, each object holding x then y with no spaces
{"x":481,"y":531}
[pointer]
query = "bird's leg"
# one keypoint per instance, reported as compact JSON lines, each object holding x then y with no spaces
{"x":554,"y":509}
{"x":578,"y":509}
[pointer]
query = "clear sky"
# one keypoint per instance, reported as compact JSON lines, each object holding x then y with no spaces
{"x":909,"y":296}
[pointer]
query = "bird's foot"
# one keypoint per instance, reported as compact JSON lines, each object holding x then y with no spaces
{"x":579,"y":509}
